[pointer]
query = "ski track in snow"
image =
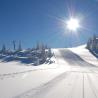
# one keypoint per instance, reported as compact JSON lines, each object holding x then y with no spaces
{"x":12,"y":75}
{"x":79,"y":82}
{"x":37,"y":92}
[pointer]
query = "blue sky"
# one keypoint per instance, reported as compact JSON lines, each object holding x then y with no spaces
{"x":32,"y":21}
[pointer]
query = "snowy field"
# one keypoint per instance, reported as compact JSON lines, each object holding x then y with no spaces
{"x":73,"y":75}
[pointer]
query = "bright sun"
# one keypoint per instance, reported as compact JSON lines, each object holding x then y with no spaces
{"x":73,"y":24}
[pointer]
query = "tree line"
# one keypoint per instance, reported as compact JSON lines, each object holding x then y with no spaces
{"x":40,"y":54}
{"x":4,"y":50}
{"x":92,"y":43}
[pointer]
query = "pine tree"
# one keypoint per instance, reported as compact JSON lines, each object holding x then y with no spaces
{"x":14,"y":44}
{"x":49,"y":53}
{"x":37,"y":46}
{"x":19,"y":47}
{"x":97,"y":47}
{"x":94,"y":42}
{"x":3,"y":48}
{"x":89,"y":43}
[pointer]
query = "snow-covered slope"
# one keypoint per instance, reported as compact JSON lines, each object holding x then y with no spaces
{"x":73,"y":75}
{"x":85,"y":54}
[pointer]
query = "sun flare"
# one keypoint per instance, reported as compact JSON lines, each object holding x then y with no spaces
{"x":73,"y":24}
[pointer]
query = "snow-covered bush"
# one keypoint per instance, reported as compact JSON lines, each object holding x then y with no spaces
{"x":36,"y":55}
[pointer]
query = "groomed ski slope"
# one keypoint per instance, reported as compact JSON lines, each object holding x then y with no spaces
{"x":73,"y":75}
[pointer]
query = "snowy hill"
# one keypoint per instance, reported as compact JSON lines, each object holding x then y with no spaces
{"x":85,"y":54}
{"x":74,"y":74}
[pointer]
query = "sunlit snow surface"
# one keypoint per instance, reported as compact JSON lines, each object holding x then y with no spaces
{"x":73,"y":75}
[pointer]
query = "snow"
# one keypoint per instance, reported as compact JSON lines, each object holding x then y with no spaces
{"x":85,"y":54}
{"x":74,"y":74}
